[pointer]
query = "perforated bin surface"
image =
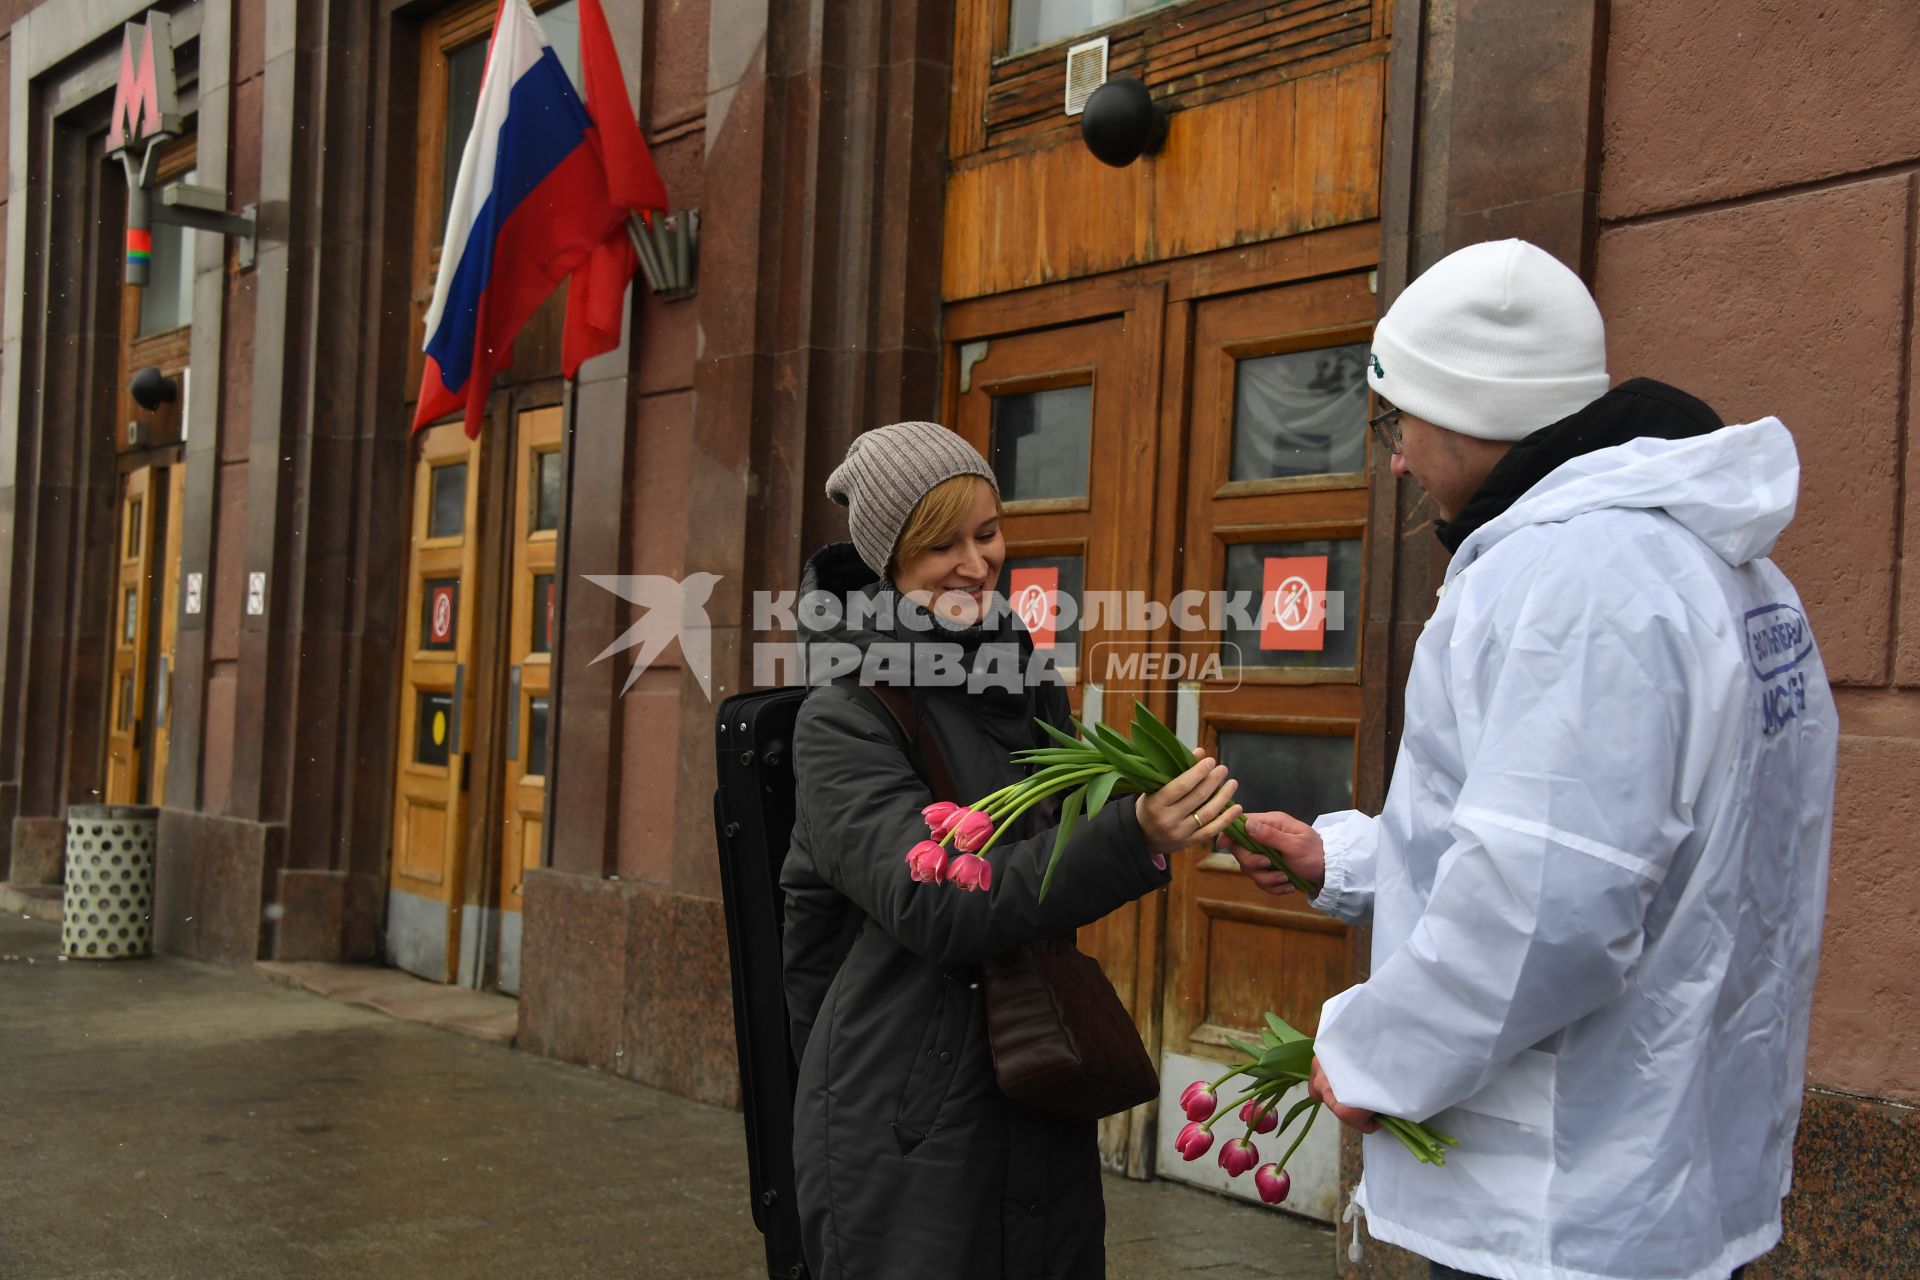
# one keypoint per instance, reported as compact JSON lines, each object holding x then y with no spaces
{"x":109,"y":889}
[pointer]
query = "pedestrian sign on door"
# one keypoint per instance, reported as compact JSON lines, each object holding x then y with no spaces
{"x":1293,"y":603}
{"x":1034,"y":595}
{"x":442,"y":613}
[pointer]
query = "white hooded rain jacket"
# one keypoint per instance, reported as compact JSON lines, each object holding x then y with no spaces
{"x":1597,"y":887}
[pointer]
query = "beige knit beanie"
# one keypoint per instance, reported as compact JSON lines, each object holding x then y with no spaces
{"x":886,"y":473}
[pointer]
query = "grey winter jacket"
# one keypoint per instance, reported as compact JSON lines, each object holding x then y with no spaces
{"x":910,"y":1164}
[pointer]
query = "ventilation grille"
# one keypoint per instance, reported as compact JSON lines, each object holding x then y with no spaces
{"x":1086,"y":71}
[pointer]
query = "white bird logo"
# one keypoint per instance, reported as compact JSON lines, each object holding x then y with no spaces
{"x":675,"y":609}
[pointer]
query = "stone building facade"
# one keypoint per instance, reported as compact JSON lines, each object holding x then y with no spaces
{"x":896,"y":221}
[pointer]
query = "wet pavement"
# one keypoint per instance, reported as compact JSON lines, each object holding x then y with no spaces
{"x":164,"y":1118}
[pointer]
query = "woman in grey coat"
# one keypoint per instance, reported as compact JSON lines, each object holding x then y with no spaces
{"x":910,"y":1164}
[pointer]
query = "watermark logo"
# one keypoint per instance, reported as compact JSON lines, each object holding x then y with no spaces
{"x":1204,"y":638}
{"x":1126,"y":667}
{"x":676,"y":609}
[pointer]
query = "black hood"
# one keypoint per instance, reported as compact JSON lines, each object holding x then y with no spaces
{"x":867,"y":612}
{"x":1640,"y":408}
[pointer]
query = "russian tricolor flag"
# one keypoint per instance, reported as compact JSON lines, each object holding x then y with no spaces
{"x":531,"y":204}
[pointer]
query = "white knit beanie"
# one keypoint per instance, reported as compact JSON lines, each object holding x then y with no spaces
{"x":1496,"y":340}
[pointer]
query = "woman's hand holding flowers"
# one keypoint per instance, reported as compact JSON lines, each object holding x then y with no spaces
{"x":1194,"y":808}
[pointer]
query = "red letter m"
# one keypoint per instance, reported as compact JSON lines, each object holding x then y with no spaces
{"x":136,"y":100}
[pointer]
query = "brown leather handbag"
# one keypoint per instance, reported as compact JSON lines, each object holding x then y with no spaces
{"x":1063,"y":1044}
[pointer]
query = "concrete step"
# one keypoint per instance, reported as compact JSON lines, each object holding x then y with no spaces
{"x":484,"y":1015}
{"x":34,"y":901}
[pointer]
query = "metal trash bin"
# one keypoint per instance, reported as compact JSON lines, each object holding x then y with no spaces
{"x":109,"y":890}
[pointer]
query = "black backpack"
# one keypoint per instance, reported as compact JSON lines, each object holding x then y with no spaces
{"x":753,"y":813}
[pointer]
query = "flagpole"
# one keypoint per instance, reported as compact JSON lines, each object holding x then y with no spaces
{"x":562,"y":571}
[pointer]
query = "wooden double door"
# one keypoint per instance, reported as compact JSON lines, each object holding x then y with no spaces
{"x":475,"y":698}
{"x":1206,"y":455}
{"x":145,"y":619}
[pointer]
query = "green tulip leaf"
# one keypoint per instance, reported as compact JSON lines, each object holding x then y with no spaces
{"x":1282,"y":1029}
{"x":1069,"y":815}
{"x":1147,"y":724}
{"x":1292,"y":1115}
{"x":1295,"y":1057}
{"x":1247,"y":1049}
{"x":1116,"y":755}
{"x":1097,"y":792}
{"x":1153,"y":752}
{"x":1060,"y":737}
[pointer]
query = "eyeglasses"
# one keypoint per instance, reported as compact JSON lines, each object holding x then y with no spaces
{"x":1385,"y":426}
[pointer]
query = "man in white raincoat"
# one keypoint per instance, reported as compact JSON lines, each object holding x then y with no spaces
{"x":1597,"y":886}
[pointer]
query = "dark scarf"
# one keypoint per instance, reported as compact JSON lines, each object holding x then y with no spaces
{"x":1637,"y":409}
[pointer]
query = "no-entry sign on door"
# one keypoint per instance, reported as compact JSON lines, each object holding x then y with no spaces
{"x":1293,"y":604}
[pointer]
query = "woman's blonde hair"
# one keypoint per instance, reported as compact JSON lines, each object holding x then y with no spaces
{"x":936,"y":518}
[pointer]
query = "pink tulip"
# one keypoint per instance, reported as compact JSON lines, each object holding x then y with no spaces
{"x":927,"y":862}
{"x":1193,"y":1141}
{"x":970,"y":871}
{"x":971,"y":831}
{"x":1199,"y":1104}
{"x":1238,"y":1156}
{"x":1259,"y":1117}
{"x":1272,"y":1182}
{"x":940,"y":816}
{"x":1190,"y":1090}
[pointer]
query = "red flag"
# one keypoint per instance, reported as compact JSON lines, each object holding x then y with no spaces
{"x":596,"y":297}
{"x":530,"y":205}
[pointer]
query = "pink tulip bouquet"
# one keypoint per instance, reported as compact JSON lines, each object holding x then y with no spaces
{"x":1091,"y":769}
{"x":1282,"y":1062}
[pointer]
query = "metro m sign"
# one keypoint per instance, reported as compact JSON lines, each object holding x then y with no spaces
{"x":144,"y":105}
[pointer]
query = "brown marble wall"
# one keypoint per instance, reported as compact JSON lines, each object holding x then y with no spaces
{"x":208,"y":877}
{"x":1853,"y":1211}
{"x":57,"y":393}
{"x":9,"y":805}
{"x":816,"y":165}
{"x":196,"y":717}
{"x":39,"y":851}
{"x":631,"y":980}
{"x":1759,"y":250}
{"x":326,"y":915}
{"x":1852,"y":1214}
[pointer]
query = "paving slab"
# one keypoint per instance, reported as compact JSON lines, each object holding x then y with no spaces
{"x":164,"y":1118}
{"x":487,"y":1015}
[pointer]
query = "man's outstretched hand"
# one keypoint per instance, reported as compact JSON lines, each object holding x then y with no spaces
{"x":1317,"y":1087}
{"x":1296,"y":841}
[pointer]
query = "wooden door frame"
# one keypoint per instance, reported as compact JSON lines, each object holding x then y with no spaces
{"x":1138,"y":310}
{"x":1308,"y":313}
{"x":1158,"y":302}
{"x":477,"y":963}
{"x":513,"y":725}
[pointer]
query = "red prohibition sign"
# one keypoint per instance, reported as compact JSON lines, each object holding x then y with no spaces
{"x":1293,"y":604}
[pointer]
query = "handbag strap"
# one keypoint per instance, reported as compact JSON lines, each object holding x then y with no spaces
{"x":923,"y":751}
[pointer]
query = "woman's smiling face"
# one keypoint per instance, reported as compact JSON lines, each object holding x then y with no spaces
{"x":955,"y":577}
